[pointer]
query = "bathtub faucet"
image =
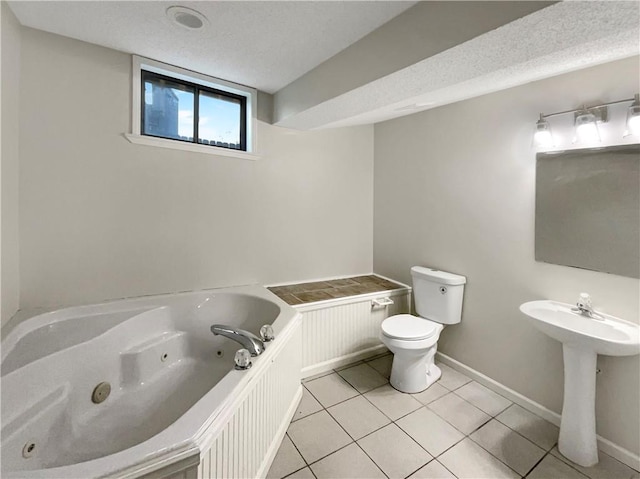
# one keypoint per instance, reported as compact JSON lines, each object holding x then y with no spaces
{"x":248,"y":340}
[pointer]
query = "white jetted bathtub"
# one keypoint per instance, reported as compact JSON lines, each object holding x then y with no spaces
{"x":175,"y":402}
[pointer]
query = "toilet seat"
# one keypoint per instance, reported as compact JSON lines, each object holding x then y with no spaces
{"x":407,"y":327}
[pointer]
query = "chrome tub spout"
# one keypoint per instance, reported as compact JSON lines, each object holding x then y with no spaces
{"x":249,"y":341}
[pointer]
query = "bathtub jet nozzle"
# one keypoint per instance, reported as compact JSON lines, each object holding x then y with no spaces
{"x":249,"y":341}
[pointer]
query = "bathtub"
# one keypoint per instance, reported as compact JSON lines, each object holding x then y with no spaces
{"x":175,"y":401}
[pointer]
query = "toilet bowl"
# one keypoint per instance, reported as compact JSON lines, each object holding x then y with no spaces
{"x":413,"y":340}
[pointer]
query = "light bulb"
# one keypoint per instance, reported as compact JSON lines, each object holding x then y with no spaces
{"x":633,"y":125}
{"x":586,"y":128}
{"x":633,"y":118}
{"x":542,"y":136}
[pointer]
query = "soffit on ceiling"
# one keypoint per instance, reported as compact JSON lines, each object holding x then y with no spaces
{"x":563,"y":37}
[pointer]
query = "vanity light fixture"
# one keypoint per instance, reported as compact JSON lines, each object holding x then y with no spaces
{"x":543,"y":136}
{"x":586,"y":121}
{"x":633,"y":118}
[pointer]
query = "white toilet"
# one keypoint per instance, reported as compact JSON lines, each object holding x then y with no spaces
{"x":413,"y":340}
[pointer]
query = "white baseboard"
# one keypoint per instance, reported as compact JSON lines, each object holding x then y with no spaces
{"x":282,"y":430}
{"x":342,"y":361}
{"x":623,"y":455}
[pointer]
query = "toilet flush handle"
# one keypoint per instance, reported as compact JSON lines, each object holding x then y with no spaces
{"x":381,"y":302}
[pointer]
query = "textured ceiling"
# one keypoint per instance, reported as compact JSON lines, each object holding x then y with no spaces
{"x":564,"y":37}
{"x":264,"y":44}
{"x":267,"y":45}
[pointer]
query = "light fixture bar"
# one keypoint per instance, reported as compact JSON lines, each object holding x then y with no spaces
{"x":585,"y":108}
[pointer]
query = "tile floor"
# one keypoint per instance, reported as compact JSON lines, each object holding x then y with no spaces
{"x":352,"y":424}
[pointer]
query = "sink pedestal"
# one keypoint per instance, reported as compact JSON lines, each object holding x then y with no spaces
{"x":583,"y":337}
{"x":577,"y":440}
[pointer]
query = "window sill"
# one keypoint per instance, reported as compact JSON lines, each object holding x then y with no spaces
{"x":193,"y":147}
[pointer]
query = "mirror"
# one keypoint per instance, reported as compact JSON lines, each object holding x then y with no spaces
{"x":588,"y":209}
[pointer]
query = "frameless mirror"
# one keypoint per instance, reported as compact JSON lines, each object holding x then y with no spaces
{"x":588,"y":209}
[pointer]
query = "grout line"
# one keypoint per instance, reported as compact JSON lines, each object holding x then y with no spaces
{"x":451,"y":446}
{"x":413,"y":472}
{"x":298,"y":450}
{"x":332,"y":452}
{"x":297,"y":470}
{"x":371,"y":458}
{"x":536,"y":464}
{"x":575,"y":468}
{"x":445,"y":467}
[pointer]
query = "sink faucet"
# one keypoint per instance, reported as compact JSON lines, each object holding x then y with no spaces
{"x":585,"y":308}
{"x":248,"y":340}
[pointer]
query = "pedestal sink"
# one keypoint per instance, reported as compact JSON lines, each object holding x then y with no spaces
{"x":582,"y":338}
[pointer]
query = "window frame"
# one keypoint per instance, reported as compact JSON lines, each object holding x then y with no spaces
{"x":201,"y":82}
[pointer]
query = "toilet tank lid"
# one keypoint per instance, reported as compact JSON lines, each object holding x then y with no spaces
{"x":437,"y":276}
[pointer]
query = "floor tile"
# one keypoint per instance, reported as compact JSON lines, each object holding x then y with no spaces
{"x":349,"y":462}
{"x":433,"y":392}
{"x":331,"y":389}
{"x":302,"y":474}
{"x":451,"y":379}
{"x":391,"y":402}
{"x":308,"y":405}
{"x":316,"y":376}
{"x":363,"y":377}
{"x":394,"y":452}
{"x":515,"y":451}
{"x":430,"y":431}
{"x":553,"y":468}
{"x":533,"y":427}
{"x":347,"y":366}
{"x":287,"y":460}
{"x":382,"y":365}
{"x":456,"y":411}
{"x":607,"y":467}
{"x":358,"y":416}
{"x":468,"y":460}
{"x":483,"y":398}
{"x":433,"y":470}
{"x":317,"y":435}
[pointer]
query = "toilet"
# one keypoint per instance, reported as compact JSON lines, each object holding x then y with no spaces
{"x":413,"y":340}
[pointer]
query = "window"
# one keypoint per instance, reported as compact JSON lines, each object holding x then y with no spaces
{"x":176,"y":108}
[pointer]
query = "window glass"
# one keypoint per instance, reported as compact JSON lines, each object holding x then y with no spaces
{"x":168,"y":109}
{"x":219,"y":120}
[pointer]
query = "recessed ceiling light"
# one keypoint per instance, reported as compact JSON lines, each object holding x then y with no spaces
{"x":416,"y":106}
{"x":186,"y":17}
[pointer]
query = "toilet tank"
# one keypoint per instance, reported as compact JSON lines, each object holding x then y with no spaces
{"x":438,"y":294}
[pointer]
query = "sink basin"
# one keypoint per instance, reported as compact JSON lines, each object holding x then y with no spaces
{"x":582,"y":338}
{"x":610,"y":336}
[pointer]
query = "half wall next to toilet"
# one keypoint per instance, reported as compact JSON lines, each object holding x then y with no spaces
{"x":454,"y":189}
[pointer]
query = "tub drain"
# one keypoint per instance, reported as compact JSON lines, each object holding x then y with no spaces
{"x":101,"y":392}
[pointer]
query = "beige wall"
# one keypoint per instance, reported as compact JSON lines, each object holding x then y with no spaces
{"x":103,"y":218}
{"x":9,"y":97}
{"x":454,"y":188}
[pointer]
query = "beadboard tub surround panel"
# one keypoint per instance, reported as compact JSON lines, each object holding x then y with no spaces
{"x":339,"y":332}
{"x":246,"y":446}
